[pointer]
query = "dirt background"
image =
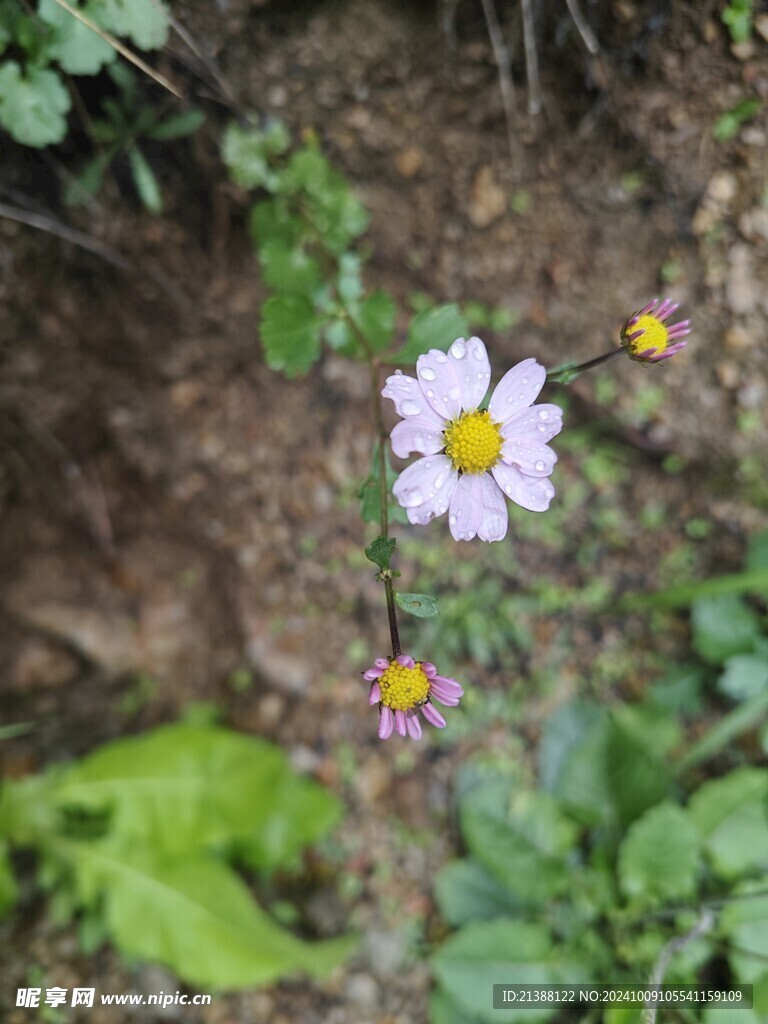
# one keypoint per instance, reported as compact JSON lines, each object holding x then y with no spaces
{"x":173,"y":513}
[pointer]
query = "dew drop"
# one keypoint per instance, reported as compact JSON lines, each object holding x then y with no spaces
{"x":440,"y":478}
{"x":481,"y":376}
{"x":398,"y":373}
{"x":427,"y":373}
{"x":543,"y":414}
{"x":430,"y":393}
{"x":418,"y":440}
{"x":477,"y":348}
{"x":539,"y":465}
{"x":441,"y":357}
{"x":524,"y":380}
{"x":508,"y":488}
{"x":452,"y":520}
{"x":458,"y":349}
{"x":412,"y":498}
{"x":410,"y":408}
{"x":431,"y":495}
{"x":455,"y":392}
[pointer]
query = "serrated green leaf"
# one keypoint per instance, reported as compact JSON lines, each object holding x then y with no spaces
{"x":482,"y":954}
{"x":270,"y":221}
{"x":744,"y":921}
{"x":660,"y":857}
{"x":438,"y":327}
{"x":245,"y":151}
{"x":33,"y":106}
{"x":380,"y":551}
{"x":145,"y":181}
{"x":731,"y":815}
{"x":745,"y":676}
{"x":177,"y":126}
{"x":377,"y":320}
{"x":339,"y":336}
{"x":520,"y":836}
{"x":143,"y":21}
{"x":194,"y":915}
{"x":334,"y":212}
{"x":465,"y":892}
{"x":78,"y":49}
{"x":423,"y":606}
{"x":723,"y":626}
{"x":289,"y":268}
{"x":349,"y":280}
{"x":290,"y":333}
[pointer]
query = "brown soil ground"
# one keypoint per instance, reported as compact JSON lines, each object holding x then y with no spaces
{"x":173,"y":512}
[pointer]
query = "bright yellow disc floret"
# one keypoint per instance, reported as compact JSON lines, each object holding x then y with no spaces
{"x":473,"y":442}
{"x":403,"y":688}
{"x":654,"y":336}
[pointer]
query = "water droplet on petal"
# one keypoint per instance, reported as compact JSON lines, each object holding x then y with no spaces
{"x":452,"y":519}
{"x":411,"y":498}
{"x":410,"y":408}
{"x":539,"y":466}
{"x":441,"y":357}
{"x":508,"y":488}
{"x":427,"y":373}
{"x":398,"y":373}
{"x":477,"y":348}
{"x":524,"y":380}
{"x":543,"y":414}
{"x":441,"y":478}
{"x":431,"y":495}
{"x":458,"y":349}
{"x":430,"y":393}
{"x":455,"y":392}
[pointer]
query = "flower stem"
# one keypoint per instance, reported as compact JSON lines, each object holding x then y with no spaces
{"x":570,"y":371}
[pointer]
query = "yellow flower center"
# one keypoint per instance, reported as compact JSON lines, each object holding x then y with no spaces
{"x":473,"y":442}
{"x":654,"y":335}
{"x":403,"y":688}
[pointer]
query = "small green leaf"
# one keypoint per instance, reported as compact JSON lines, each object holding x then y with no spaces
{"x":143,"y":21}
{"x":290,"y":333}
{"x":745,"y":676}
{"x":380,"y":551}
{"x":78,"y":49}
{"x":88,"y":182}
{"x":288,"y":269}
{"x":660,"y":857}
{"x":421,"y":605}
{"x":377,"y":320}
{"x":465,"y":892}
{"x":176,"y":127}
{"x":246,"y":151}
{"x":727,"y":125}
{"x":738,"y":17}
{"x":33,"y":105}
{"x":145,"y":181}
{"x":270,"y":221}
{"x":730,"y":813}
{"x":349,"y":281}
{"x":438,"y":327}
{"x":722,"y":626}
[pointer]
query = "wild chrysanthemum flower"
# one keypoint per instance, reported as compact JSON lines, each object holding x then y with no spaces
{"x":402,"y":688}
{"x":472,"y":458}
{"x":646,"y":337}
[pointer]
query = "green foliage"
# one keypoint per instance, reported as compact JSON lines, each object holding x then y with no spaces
{"x":421,"y":605}
{"x":728,"y":124}
{"x":738,"y":16}
{"x":723,"y":626}
{"x":433,"y":328}
{"x":659,"y":857}
{"x":380,"y":551}
{"x":48,"y":40}
{"x":138,"y":839}
{"x":369,"y":493}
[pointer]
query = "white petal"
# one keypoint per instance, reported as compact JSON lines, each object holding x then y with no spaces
{"x":466,"y":509}
{"x":474,"y":369}
{"x":439,"y":383}
{"x":531,"y":458}
{"x":493,"y":525}
{"x":417,"y":434}
{"x":516,"y":390}
{"x":530,"y":492}
{"x":539,"y":423}
{"x":405,"y":392}
{"x":437,"y":485}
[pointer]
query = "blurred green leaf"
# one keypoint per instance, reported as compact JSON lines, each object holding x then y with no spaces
{"x":194,"y":915}
{"x":270,"y":221}
{"x":738,"y":16}
{"x":370,"y":493}
{"x":722,"y":626}
{"x":745,"y":676}
{"x":246,"y":150}
{"x":88,"y":182}
{"x":288,"y":268}
{"x":744,"y":921}
{"x":731,"y":815}
{"x":8,"y":889}
{"x":145,"y":181}
{"x":33,"y":105}
{"x":377,"y":320}
{"x":465,"y":892}
{"x":78,"y":49}
{"x":143,"y":21}
{"x":423,"y":606}
{"x":177,"y":126}
{"x":746,"y":716}
{"x":349,"y":281}
{"x":442,"y":1010}
{"x":520,"y":836}
{"x":728,"y":124}
{"x":290,"y":333}
{"x":438,"y":327}
{"x":660,"y":857}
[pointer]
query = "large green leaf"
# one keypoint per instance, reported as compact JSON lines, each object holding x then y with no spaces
{"x":33,"y":105}
{"x":288,"y":268}
{"x":290,"y":333}
{"x":78,"y":49}
{"x":505,"y":951}
{"x":660,"y":857}
{"x":465,"y":891}
{"x":745,"y":676}
{"x":744,"y":921}
{"x":193,"y":914}
{"x":520,"y":836}
{"x":731,"y":815}
{"x":187,"y":787}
